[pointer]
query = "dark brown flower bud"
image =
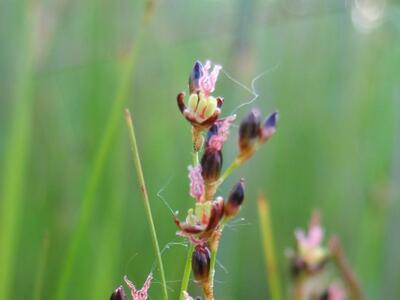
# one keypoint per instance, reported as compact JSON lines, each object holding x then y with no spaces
{"x":269,"y":127}
{"x":217,"y":212}
{"x":211,"y":165}
{"x":235,"y":200}
{"x":248,"y":131}
{"x":201,"y":263}
{"x":195,"y":75}
{"x":118,"y":294}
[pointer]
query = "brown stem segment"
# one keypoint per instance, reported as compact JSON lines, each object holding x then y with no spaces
{"x":344,"y":267}
{"x":208,"y":291}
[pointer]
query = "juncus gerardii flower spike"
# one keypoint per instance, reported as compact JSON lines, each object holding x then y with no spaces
{"x":253,"y":132}
{"x":202,"y":109}
{"x":204,"y":223}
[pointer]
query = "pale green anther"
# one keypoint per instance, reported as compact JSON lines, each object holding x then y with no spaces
{"x":211,"y":107}
{"x":193,"y":99}
{"x":203,"y":209}
{"x":202,"y":103}
{"x":191,"y":218}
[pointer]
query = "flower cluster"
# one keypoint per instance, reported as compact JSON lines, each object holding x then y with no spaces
{"x":204,"y":223}
{"x":141,"y":294}
{"x":308,"y":263}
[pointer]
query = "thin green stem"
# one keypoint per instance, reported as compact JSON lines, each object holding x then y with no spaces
{"x":142,"y":185}
{"x":213,"y":261}
{"x":187,"y":271}
{"x":232,"y":167}
{"x":195,"y":157}
{"x":188,"y":263}
{"x":269,"y":248}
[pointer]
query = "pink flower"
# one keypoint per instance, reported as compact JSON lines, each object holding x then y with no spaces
{"x":187,"y":296}
{"x":196,"y":182}
{"x":142,"y":293}
{"x":207,"y":81}
{"x":336,"y":292}
{"x":313,"y":238}
{"x":309,"y":247}
{"x":218,"y":139}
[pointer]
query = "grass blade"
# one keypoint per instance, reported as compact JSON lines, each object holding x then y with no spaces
{"x":143,"y":189}
{"x":269,"y":248}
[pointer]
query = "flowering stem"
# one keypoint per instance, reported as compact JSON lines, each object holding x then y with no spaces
{"x":213,"y":261}
{"x":188,"y":264}
{"x":347,"y":274}
{"x":142,"y":185}
{"x":214,"y":252}
{"x":269,"y":248}
{"x":195,"y":157}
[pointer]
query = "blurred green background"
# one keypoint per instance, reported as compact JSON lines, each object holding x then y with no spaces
{"x":72,"y":221}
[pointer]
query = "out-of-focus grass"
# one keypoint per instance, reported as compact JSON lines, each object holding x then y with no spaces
{"x":335,"y":149}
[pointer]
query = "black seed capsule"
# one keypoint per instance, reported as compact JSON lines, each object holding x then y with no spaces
{"x":235,"y":199}
{"x":195,"y":75}
{"x":211,"y":165}
{"x":248,"y":131}
{"x":118,"y":294}
{"x":201,"y":263}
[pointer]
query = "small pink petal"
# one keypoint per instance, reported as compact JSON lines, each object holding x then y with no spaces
{"x":336,"y":292}
{"x":130,"y":284}
{"x":196,"y":182}
{"x":142,"y":293}
{"x":187,"y":296}
{"x":315,"y":236}
{"x":217,"y":140}
{"x":207,"y":81}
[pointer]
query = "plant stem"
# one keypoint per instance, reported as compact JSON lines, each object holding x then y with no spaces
{"x":347,"y":274}
{"x":186,"y":272}
{"x":195,"y":157}
{"x":269,"y":248}
{"x":142,"y":185}
{"x":232,"y":167}
{"x":188,"y":263}
{"x":213,"y":261}
{"x":214,"y":251}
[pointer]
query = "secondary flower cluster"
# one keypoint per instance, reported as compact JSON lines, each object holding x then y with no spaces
{"x":308,"y":263}
{"x":119,"y":293}
{"x":203,"y":224}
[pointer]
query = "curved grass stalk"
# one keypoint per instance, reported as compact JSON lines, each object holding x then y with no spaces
{"x":143,"y":189}
{"x":269,"y":248}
